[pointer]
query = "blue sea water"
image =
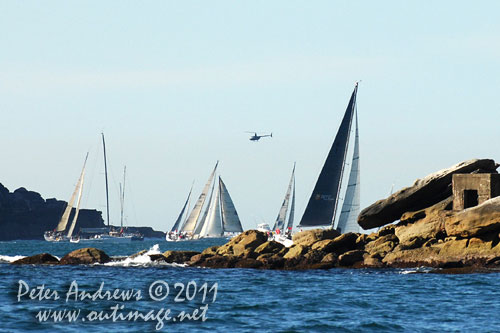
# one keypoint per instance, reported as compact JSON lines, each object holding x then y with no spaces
{"x":336,"y":300}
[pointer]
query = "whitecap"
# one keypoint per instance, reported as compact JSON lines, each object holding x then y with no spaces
{"x":10,"y":258}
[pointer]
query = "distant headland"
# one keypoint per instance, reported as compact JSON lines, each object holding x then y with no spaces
{"x":25,"y":214}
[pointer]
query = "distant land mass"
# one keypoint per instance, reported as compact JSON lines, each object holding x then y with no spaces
{"x":26,"y":215}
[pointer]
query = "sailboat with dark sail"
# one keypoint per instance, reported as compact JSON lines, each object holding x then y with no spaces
{"x":60,"y":234}
{"x":322,"y":207}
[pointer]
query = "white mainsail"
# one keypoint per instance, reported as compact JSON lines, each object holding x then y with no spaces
{"x":190,"y":224}
{"x":292,"y":207}
{"x":230,"y":220}
{"x":351,"y":206}
{"x":177,"y":223}
{"x":213,"y":224}
{"x":61,"y":226}
{"x":201,"y":223}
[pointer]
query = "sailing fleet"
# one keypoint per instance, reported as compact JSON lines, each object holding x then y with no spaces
{"x":217,"y":216}
{"x":90,"y":234}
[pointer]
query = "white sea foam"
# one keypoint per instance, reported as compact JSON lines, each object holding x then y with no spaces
{"x":142,"y":260}
{"x":10,"y":258}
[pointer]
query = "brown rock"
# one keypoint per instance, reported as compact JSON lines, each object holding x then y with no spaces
{"x":179,"y":257}
{"x":331,"y":258}
{"x":308,"y":237}
{"x":295,"y":251}
{"x":248,"y":263}
{"x":242,"y":243}
{"x":339,"y":245}
{"x":157,"y":257}
{"x":429,"y":224}
{"x":272,"y":262}
{"x":382,"y":245}
{"x":219,"y":261}
{"x":269,"y":247}
{"x":424,"y":256}
{"x":386,"y":230}
{"x":424,"y":193}
{"x":37,"y":259}
{"x":475,"y":221}
{"x":85,"y":256}
{"x":138,"y":254}
{"x":211,"y":251}
{"x":372,"y":262}
{"x":351,"y":257}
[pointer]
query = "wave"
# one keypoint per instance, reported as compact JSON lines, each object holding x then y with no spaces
{"x":143,"y":260}
{"x":9,"y":259}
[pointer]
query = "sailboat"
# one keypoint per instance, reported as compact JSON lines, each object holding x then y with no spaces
{"x":174,"y":234}
{"x":323,"y":204}
{"x":59,"y":235}
{"x":219,"y":218}
{"x":283,"y":227}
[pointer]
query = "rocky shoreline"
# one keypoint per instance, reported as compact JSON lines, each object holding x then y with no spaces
{"x":419,"y":227}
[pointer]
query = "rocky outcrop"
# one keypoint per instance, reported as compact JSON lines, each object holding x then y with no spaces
{"x":475,"y":221}
{"x":26,"y":215}
{"x":179,"y":257}
{"x":85,"y":256}
{"x":423,"y":193}
{"x":37,"y":259}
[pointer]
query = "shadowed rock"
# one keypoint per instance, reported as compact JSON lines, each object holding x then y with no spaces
{"x":37,"y":259}
{"x":85,"y":256}
{"x":424,"y":193}
{"x":179,"y":257}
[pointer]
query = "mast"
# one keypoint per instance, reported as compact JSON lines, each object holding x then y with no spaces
{"x":322,"y":206}
{"x":106,"y":177}
{"x":122,"y":197}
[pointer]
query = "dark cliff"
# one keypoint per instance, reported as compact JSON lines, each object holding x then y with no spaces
{"x":26,"y":215}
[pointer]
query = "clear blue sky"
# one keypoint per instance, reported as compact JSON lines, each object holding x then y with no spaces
{"x":174,"y":85}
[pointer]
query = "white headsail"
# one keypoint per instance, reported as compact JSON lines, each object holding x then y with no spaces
{"x":351,"y":206}
{"x":230,"y":220}
{"x":213,"y":223}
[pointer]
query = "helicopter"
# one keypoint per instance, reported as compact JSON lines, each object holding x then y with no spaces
{"x":256,"y":137}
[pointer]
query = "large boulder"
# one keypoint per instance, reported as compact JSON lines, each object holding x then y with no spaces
{"x":179,"y":257}
{"x":423,"y":224}
{"x":423,"y":193}
{"x":343,"y":243}
{"x":475,"y":221}
{"x":308,"y":237}
{"x":85,"y":256}
{"x":243,"y":244}
{"x":37,"y":259}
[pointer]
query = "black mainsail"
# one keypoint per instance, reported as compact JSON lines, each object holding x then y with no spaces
{"x":322,"y":206}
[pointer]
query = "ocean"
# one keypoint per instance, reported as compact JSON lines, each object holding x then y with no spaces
{"x":140,"y":296}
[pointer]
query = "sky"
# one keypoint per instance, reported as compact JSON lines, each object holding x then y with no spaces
{"x":174,"y":85}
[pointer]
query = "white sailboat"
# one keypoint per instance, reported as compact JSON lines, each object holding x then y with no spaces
{"x":322,"y":207}
{"x":282,"y":227}
{"x":59,"y":234}
{"x":219,"y":219}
